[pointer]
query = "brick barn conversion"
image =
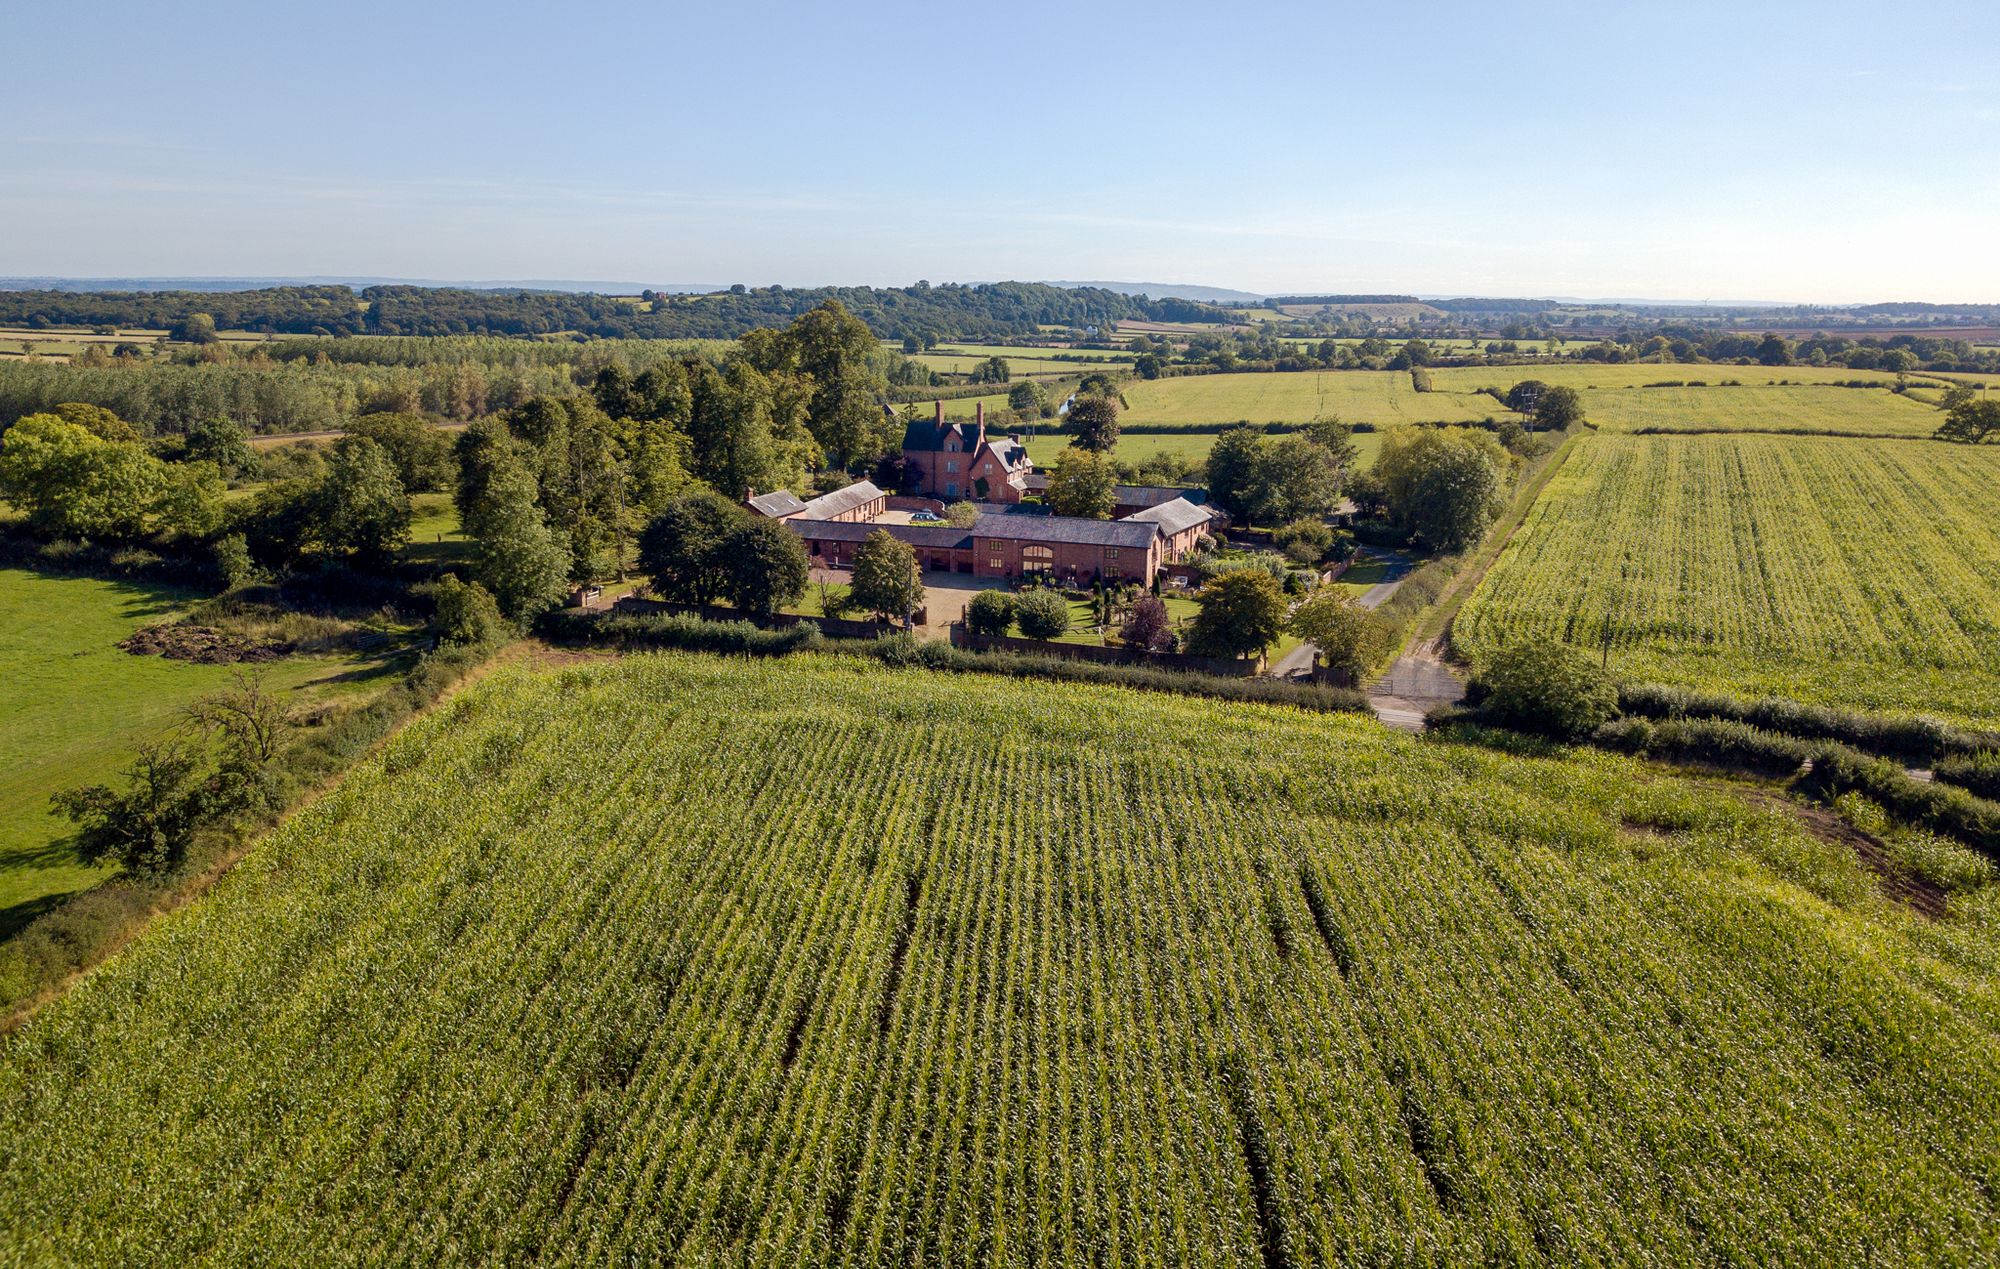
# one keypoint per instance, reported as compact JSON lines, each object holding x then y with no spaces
{"x":959,"y":462}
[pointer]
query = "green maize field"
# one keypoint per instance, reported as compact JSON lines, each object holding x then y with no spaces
{"x":1849,"y":572}
{"x":706,"y":961}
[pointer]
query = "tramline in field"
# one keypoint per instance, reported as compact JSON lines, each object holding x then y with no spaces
{"x":690,"y":959}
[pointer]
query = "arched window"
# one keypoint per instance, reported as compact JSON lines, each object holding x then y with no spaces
{"x":1037,"y":559}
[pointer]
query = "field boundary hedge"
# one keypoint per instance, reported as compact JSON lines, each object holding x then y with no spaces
{"x":630,"y":632}
{"x":1925,"y":741}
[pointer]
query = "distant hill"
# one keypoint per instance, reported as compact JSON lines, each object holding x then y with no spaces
{"x":1169,"y":291}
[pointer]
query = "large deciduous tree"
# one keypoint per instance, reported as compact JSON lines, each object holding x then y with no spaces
{"x":359,"y":507}
{"x":1082,"y":484}
{"x":767,"y":566}
{"x":1242,"y":611}
{"x":516,"y":555}
{"x":683,"y":548}
{"x":1093,"y":423}
{"x":887,"y":581}
{"x":1347,"y":636}
{"x":1442,"y":484}
{"x":1558,"y":409}
{"x":69,"y":480}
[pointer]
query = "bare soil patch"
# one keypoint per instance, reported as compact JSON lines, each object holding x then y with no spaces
{"x":203,"y":645}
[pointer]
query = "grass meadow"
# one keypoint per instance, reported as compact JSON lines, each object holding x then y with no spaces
{"x":695,"y":959}
{"x":77,"y":706}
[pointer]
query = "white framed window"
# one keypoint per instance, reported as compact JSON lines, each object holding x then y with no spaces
{"x":1110,"y":552}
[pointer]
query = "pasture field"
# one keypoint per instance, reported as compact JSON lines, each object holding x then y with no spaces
{"x":1849,"y":572}
{"x":1381,"y":397}
{"x":683,"y":959}
{"x":76,"y":707}
{"x":1012,"y":351}
{"x":1817,"y":408}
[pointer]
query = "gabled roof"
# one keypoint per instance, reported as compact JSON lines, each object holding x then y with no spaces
{"x":777,"y":504}
{"x":1172,"y":517}
{"x":840,"y":501}
{"x":1010,"y":452}
{"x":925,"y":434}
{"x":1154,"y":495}
{"x":1070,"y":530}
{"x":935,"y":536}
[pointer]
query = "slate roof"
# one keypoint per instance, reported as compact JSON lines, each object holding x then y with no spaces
{"x":777,"y":504}
{"x":925,"y":434}
{"x":1154,"y":495}
{"x":827,"y":506}
{"x":937,"y":537}
{"x":1009,"y":451}
{"x":1173,"y":517}
{"x":1066,"y":529}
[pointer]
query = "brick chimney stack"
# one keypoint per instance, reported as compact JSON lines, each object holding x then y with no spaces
{"x":940,"y":416}
{"x":979,"y":419}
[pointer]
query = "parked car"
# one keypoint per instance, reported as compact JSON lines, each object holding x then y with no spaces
{"x":926,"y":517}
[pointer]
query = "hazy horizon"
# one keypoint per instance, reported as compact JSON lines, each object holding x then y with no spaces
{"x":1790,"y":155}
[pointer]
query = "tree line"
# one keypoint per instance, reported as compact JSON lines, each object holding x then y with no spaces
{"x":951,"y":310}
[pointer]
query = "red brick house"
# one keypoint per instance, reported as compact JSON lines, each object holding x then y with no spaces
{"x":1010,"y":546}
{"x":958,"y":461}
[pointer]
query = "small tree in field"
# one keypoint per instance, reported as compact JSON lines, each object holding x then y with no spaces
{"x":887,"y":581}
{"x":1241,"y":612}
{"x":150,"y":825}
{"x":1558,"y":409}
{"x":1042,"y":614}
{"x":1969,"y":420}
{"x":991,"y":612}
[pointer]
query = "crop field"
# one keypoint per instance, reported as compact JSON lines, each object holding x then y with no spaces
{"x":1587,"y":375}
{"x":76,"y":707}
{"x":686,"y":960}
{"x":1861,"y":411}
{"x":1049,"y":442}
{"x":1021,"y":366}
{"x":1381,"y":397}
{"x":1850,"y":572}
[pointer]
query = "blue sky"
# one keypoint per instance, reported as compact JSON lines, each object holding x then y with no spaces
{"x":1818,"y":152}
